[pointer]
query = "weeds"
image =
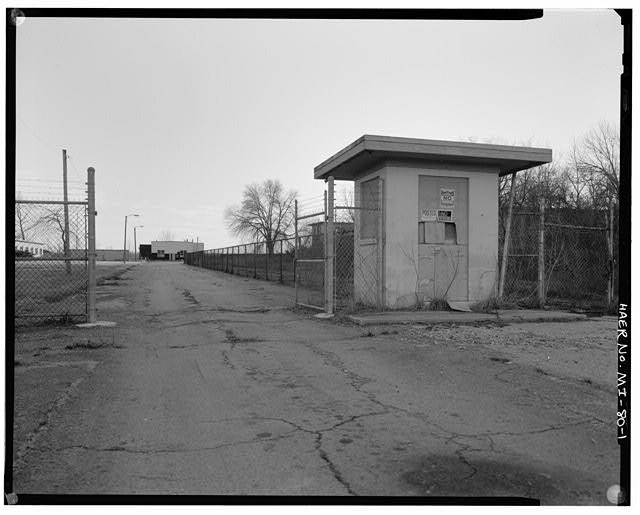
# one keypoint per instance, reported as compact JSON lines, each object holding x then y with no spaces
{"x":93,"y":345}
{"x":492,"y":305}
{"x":438,"y":304}
{"x":232,"y":338}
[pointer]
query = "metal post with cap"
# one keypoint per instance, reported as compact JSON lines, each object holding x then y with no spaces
{"x":91,"y":255}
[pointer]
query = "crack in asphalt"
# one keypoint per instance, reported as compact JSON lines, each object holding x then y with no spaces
{"x":324,"y":456}
{"x":357,"y":382}
{"x":226,"y":360}
{"x":27,"y":446}
{"x":318,"y":435}
{"x":332,"y":467}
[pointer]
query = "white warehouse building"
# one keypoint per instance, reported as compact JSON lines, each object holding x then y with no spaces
{"x":173,"y":250}
{"x":34,"y":248}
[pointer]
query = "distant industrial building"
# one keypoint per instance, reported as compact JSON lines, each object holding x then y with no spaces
{"x":32,"y":248}
{"x":170,"y":250}
{"x":144,"y":251}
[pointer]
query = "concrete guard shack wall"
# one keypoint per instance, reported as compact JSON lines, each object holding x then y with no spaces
{"x":400,"y":275}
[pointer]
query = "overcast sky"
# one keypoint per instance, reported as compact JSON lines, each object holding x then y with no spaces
{"x":177,"y":116}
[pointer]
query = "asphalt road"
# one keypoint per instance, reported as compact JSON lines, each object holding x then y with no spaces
{"x":211,"y":384}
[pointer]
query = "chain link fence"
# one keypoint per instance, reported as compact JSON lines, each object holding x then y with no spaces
{"x":358,"y":247}
{"x":249,"y":260}
{"x":311,"y":241}
{"x":51,"y":261}
{"x":553,"y":257}
{"x":521,"y":277}
{"x":296,"y":261}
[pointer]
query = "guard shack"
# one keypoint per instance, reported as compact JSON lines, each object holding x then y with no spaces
{"x":426,"y":216}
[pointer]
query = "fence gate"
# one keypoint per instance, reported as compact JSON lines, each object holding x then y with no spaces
{"x":310,"y":252}
{"x":55,"y":260}
{"x":358,"y":249}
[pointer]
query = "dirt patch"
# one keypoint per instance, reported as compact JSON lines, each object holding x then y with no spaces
{"x":190,"y":298}
{"x":500,"y":360}
{"x":232,"y":338}
{"x":92,"y":345}
{"x":108,"y":277}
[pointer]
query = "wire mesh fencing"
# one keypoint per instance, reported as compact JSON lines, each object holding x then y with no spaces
{"x":255,"y":260}
{"x":576,"y":266}
{"x":521,"y":278}
{"x":311,"y":241}
{"x":358,"y":248}
{"x":554,"y":258}
{"x":51,"y":261}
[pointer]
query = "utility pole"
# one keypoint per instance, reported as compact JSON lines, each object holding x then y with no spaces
{"x":66,"y":212}
{"x":124,"y":245}
{"x":91,"y":272}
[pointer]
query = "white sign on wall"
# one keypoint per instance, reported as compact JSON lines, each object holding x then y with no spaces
{"x":447,"y":197}
{"x":445,"y":215}
{"x":428,"y":215}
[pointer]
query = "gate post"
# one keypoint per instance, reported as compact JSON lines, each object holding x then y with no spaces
{"x":329,"y":253}
{"x":255,"y":259}
{"x":541,"y":288}
{"x":507,"y":237}
{"x":91,"y":255}
{"x":380,"y":236}
{"x":280,"y":261}
{"x":611,"y":268}
{"x":295,"y":251}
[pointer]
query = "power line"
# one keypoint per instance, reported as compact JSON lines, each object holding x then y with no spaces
{"x":36,"y":135}
{"x":69,"y":158}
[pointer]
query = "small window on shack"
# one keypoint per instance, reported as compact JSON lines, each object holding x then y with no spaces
{"x":369,"y":213}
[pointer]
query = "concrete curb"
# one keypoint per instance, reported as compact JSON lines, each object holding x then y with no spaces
{"x":463,"y":318}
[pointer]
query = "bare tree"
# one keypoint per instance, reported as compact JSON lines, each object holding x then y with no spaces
{"x":345,"y":199}
{"x":53,"y":220}
{"x":597,"y":163}
{"x":167,"y":235}
{"x":266,"y":212}
{"x":23,"y":222}
{"x":20,"y":231}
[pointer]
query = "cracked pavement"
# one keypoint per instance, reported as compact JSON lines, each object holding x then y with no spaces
{"x":211,"y":384}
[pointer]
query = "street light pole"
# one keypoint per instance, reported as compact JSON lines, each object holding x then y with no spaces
{"x":124,"y":247}
{"x":135,"y":245}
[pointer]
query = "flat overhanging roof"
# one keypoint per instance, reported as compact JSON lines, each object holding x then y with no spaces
{"x":368,"y":151}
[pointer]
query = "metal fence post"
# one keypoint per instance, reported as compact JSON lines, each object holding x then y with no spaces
{"x":507,"y":237}
{"x":267,"y":251}
{"x":280,"y":261}
{"x":611,"y":267}
{"x":380,"y":236}
{"x":255,"y":260}
{"x":91,"y":255}
{"x":295,"y":251}
{"x":541,"y":285}
{"x":330,"y":234}
{"x":67,"y":234}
